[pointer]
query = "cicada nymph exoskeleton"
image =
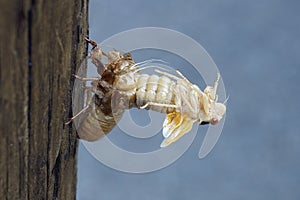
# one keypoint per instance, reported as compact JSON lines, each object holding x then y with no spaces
{"x":121,"y":85}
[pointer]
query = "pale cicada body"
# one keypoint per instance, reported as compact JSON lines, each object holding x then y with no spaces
{"x":122,"y":86}
{"x":156,"y":89}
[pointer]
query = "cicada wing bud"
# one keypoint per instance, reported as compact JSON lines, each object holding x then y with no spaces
{"x":175,"y":126}
{"x":172,"y":120}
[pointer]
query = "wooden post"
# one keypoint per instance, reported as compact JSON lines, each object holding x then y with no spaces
{"x":42,"y":44}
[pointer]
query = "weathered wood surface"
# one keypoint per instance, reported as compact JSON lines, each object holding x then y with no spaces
{"x":41,"y":46}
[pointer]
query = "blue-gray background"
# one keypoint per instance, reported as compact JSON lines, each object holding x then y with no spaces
{"x":256,"y":45}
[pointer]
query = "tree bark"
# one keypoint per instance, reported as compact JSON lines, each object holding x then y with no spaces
{"x":41,"y":47}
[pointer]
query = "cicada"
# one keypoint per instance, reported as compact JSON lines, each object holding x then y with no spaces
{"x":121,"y":86}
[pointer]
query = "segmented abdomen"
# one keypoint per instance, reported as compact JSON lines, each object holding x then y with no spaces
{"x":95,"y":124}
{"x":153,"y":88}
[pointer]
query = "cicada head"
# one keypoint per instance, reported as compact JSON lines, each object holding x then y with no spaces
{"x":213,"y":110}
{"x":217,"y":112}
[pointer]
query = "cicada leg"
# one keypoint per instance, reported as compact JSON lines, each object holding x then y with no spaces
{"x":167,"y":74}
{"x":96,"y":56}
{"x":183,"y":77}
{"x":85,"y":79}
{"x":88,"y":103}
{"x":158,"y":104}
{"x":215,"y":87}
{"x":212,"y":91}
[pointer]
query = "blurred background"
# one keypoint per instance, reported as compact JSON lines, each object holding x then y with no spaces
{"x":256,"y":47}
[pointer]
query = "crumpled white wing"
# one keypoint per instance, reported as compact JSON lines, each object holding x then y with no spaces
{"x":174,"y":127}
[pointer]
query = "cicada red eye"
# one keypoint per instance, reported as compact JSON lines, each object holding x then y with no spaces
{"x":214,"y":121}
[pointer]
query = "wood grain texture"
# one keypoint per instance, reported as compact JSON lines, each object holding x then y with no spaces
{"x":41,"y":47}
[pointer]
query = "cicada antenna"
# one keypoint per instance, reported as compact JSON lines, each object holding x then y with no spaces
{"x":226,"y":100}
